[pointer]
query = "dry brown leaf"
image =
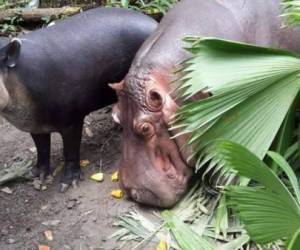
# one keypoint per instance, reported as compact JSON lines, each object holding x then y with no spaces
{"x":44,"y":247}
{"x":48,"y":234}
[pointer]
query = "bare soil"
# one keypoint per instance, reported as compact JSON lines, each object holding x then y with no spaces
{"x":85,"y":215}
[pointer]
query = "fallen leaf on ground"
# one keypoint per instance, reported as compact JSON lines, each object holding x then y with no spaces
{"x":84,"y":163}
{"x":7,"y":190}
{"x":53,"y":223}
{"x":48,"y":234}
{"x":97,"y":177}
{"x":115,"y":176}
{"x":58,"y":169}
{"x":162,"y":245}
{"x":44,"y":247}
{"x":117,"y":193}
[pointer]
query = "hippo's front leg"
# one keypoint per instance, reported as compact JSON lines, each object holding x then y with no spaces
{"x":71,"y":142}
{"x":42,"y":143}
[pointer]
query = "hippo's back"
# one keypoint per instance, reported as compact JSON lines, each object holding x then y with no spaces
{"x":256,"y":22}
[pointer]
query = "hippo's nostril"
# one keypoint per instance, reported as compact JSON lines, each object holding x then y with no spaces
{"x":134,"y":194}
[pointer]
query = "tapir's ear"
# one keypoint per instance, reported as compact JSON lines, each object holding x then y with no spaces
{"x":12,"y":52}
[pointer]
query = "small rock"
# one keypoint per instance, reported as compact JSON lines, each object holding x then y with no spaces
{"x":26,"y":201}
{"x":49,"y":179}
{"x":52,"y":223}
{"x":94,"y":219}
{"x":71,"y":204}
{"x":44,"y":188}
{"x":32,"y":149}
{"x":4,"y":231}
{"x":44,"y":207}
{"x":37,"y":184}
{"x":7,"y":190}
{"x":11,"y":241}
{"x":67,"y":247}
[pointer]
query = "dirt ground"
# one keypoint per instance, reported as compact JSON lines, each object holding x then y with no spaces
{"x":84,"y":216}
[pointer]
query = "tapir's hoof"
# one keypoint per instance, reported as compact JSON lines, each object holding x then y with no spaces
{"x":75,"y":183}
{"x":64,"y":187}
{"x":34,"y":172}
{"x":81,"y":176}
{"x":49,"y":179}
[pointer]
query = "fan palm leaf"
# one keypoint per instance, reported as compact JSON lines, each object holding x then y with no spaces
{"x":270,"y":212}
{"x":252,"y":91}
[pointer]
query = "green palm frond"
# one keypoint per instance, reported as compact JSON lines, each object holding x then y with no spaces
{"x":291,"y":11}
{"x":270,"y":212}
{"x":252,"y":90}
{"x":189,"y":225}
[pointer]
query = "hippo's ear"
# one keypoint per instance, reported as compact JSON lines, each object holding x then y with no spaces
{"x":117,"y":86}
{"x":155,"y":100}
{"x":12,"y":52}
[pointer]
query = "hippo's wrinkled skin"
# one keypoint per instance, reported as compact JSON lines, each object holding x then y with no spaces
{"x":52,"y":78}
{"x":154,"y":168}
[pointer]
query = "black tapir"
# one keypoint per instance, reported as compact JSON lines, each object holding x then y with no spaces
{"x":52,"y":78}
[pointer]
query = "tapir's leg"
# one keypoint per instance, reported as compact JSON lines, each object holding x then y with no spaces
{"x":71,"y":141}
{"x":42,"y":143}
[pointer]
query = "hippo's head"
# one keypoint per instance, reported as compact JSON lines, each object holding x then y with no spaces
{"x":153,"y":165}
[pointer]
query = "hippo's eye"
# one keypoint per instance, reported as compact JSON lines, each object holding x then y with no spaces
{"x":145,"y":128}
{"x":154,"y":100}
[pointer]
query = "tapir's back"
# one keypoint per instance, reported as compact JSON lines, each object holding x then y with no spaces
{"x":64,"y":70}
{"x":91,"y":41}
{"x":70,"y":64}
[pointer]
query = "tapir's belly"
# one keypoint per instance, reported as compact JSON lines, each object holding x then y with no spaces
{"x":20,"y":110}
{"x":25,"y":119}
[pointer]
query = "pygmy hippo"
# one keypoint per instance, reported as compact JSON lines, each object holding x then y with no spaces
{"x":52,"y":78}
{"x":154,"y":168}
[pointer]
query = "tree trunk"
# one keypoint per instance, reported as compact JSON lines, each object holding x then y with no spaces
{"x":36,"y":15}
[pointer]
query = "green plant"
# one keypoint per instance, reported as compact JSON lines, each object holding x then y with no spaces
{"x":270,"y":212}
{"x":251,"y":97}
{"x":7,"y":4}
{"x":147,"y":6}
{"x":11,"y":24}
{"x":291,"y":11}
{"x":187,"y":226}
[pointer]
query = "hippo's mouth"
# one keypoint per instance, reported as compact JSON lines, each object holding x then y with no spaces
{"x":159,"y":176}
